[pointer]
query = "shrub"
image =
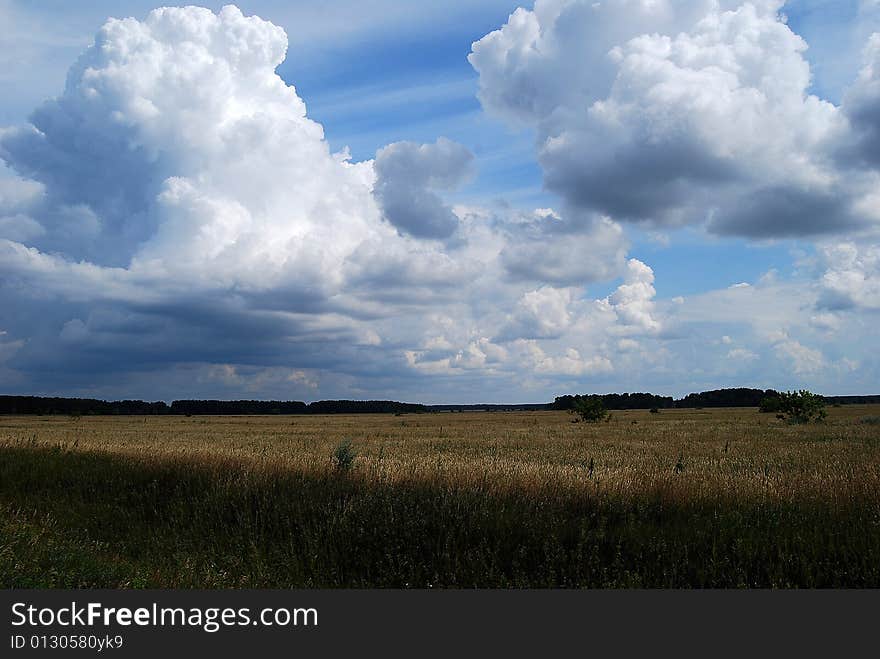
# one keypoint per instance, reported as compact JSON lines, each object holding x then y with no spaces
{"x":770,"y":404}
{"x":344,"y":456}
{"x":801,"y":407}
{"x":591,"y":409}
{"x":654,"y":410}
{"x":679,"y":464}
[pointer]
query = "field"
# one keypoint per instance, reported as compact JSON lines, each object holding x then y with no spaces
{"x":683,"y":498}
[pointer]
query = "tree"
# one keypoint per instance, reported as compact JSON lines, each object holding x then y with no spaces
{"x":770,"y":403}
{"x":801,"y":407}
{"x":590,"y":408}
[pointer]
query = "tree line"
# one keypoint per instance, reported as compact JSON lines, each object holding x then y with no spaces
{"x":734,"y":397}
{"x":89,"y":406}
{"x":737,"y":397}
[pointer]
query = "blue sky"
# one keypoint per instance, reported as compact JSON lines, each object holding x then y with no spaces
{"x":578,"y":225}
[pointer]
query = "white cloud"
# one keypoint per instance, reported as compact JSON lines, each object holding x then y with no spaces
{"x":828,"y":322}
{"x":569,"y":363}
{"x":178,"y":217}
{"x":674,"y":113}
{"x":190,"y":211}
{"x":804,"y":360}
{"x":632,"y":302}
{"x":851,"y":278}
{"x":742,"y":355}
{"x":180,"y":149}
{"x":542,"y":313}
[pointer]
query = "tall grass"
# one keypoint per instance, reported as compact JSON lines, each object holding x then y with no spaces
{"x":682,"y":499}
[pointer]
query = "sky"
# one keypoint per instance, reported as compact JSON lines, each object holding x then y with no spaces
{"x":440,"y":202}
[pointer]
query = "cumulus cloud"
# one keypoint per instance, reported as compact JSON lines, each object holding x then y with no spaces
{"x":803,"y":359}
{"x":680,"y":113}
{"x":741,"y":355}
{"x":406,"y":176}
{"x":826,"y":321}
{"x":175,"y":146}
{"x":862,"y":104}
{"x":632,"y":302}
{"x":176,"y":205}
{"x":177,"y":217}
{"x":569,"y":363}
{"x":554,"y":57}
{"x":567,"y":251}
{"x":18,"y":197}
{"x":851,"y":279}
{"x":541,"y":314}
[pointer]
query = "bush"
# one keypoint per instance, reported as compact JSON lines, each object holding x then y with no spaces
{"x":654,"y":410}
{"x":344,"y":456}
{"x":591,"y":409}
{"x":770,"y":404}
{"x":801,"y":407}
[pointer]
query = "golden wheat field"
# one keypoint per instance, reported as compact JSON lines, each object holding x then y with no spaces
{"x":722,"y":497}
{"x":690,"y":452}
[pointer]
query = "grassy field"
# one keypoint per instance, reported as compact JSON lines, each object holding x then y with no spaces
{"x":684,"y":498}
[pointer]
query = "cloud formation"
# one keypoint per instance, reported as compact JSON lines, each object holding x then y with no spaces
{"x":632,"y":302}
{"x":851,"y":280}
{"x":177,"y":206}
{"x":862,"y":104}
{"x":407,"y":175}
{"x":178,"y":225}
{"x":667,"y":113}
{"x":176,"y":150}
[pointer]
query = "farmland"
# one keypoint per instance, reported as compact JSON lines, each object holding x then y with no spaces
{"x":683,"y":498}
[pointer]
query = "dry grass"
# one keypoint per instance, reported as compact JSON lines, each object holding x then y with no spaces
{"x":512,"y":499}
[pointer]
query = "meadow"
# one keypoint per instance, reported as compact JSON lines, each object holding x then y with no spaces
{"x":683,"y":498}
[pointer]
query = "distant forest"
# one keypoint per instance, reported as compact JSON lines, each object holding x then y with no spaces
{"x":740,"y":397}
{"x":88,"y":406}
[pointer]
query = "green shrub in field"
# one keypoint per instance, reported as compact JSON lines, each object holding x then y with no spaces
{"x":770,"y":404}
{"x":679,"y":464}
{"x":344,"y":456}
{"x":591,"y":409}
{"x":801,"y":407}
